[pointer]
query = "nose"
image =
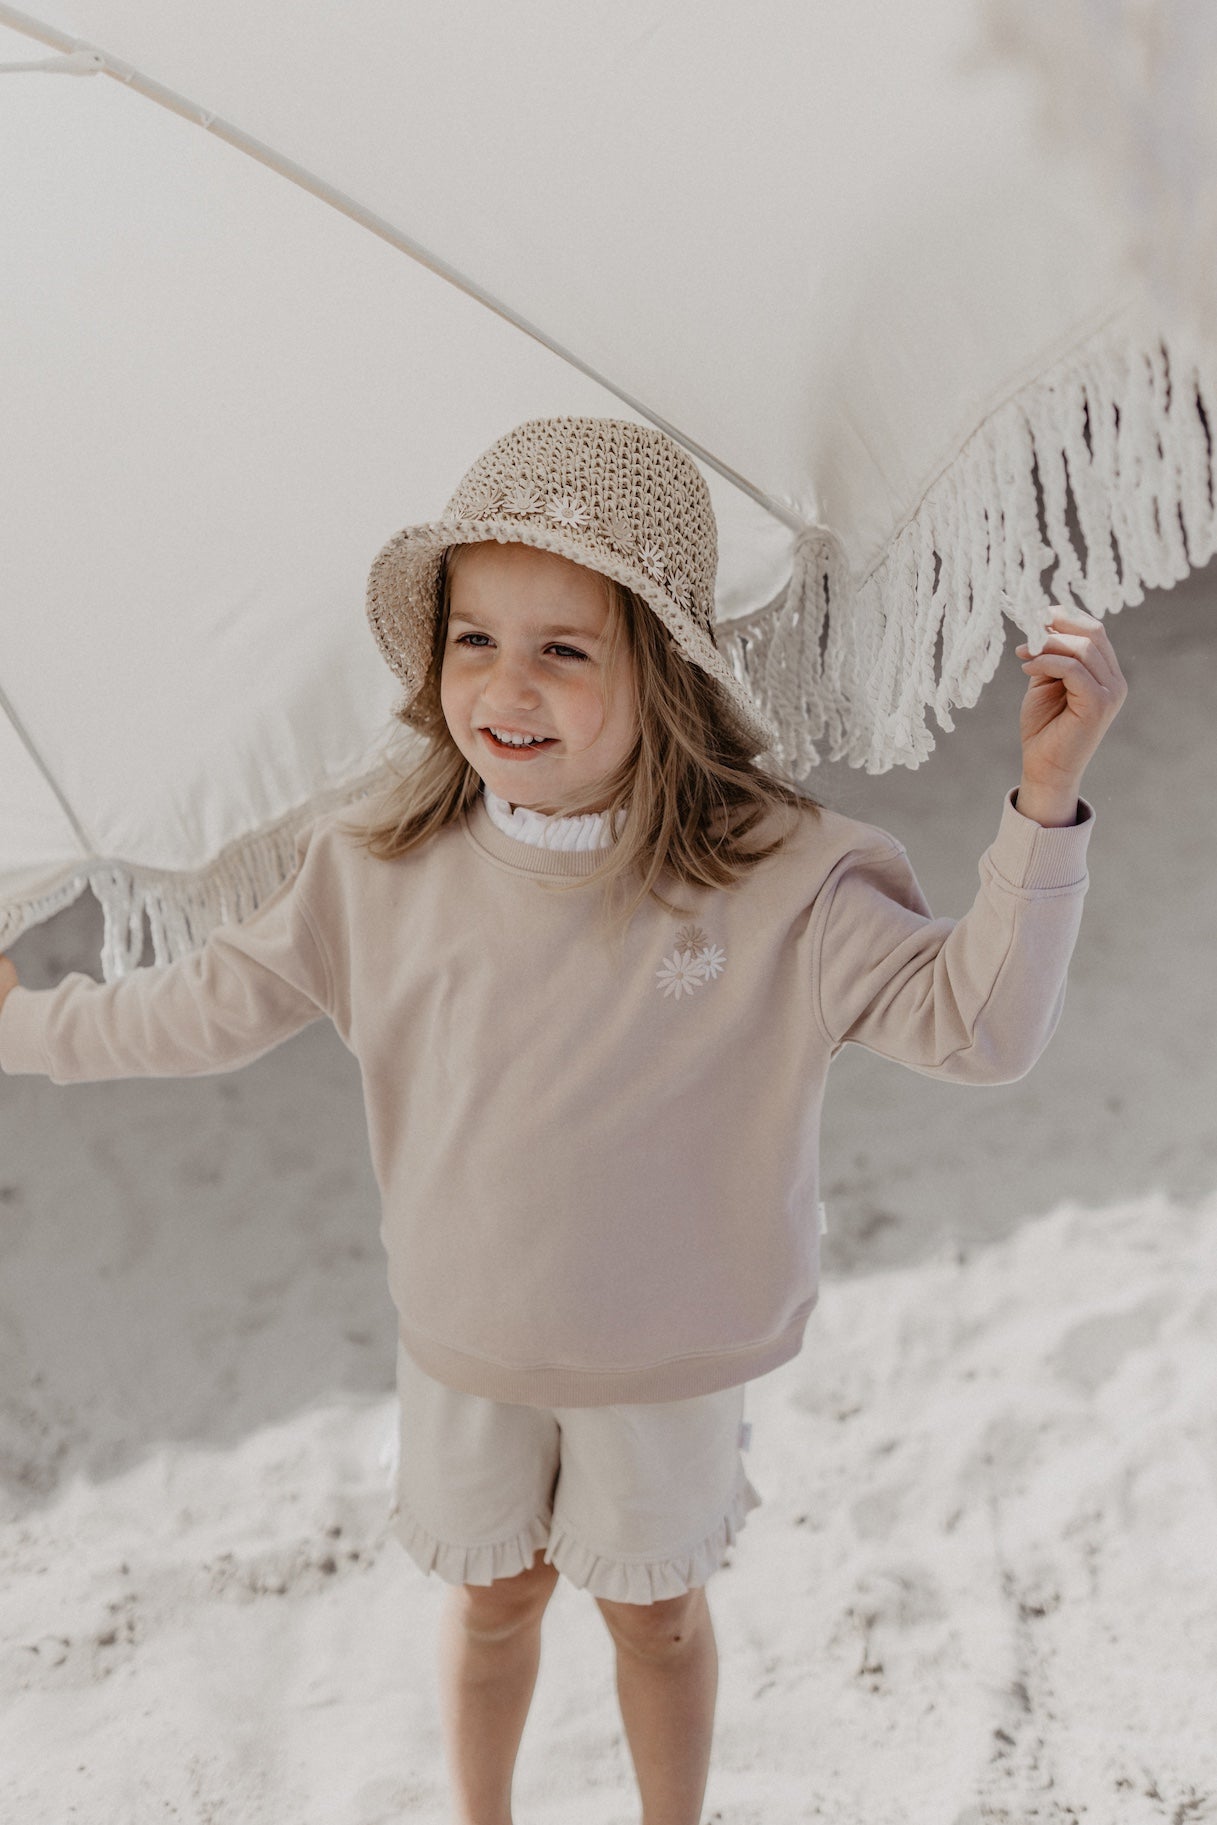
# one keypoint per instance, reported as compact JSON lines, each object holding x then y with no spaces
{"x":510,"y":682}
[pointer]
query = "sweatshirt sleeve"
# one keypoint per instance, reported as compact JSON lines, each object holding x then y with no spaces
{"x":974,"y":999}
{"x":252,"y":985}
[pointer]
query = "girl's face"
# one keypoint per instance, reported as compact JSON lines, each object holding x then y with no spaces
{"x":526,"y":654}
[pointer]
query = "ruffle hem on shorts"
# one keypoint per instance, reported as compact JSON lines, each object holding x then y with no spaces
{"x":470,"y":1564}
{"x":623,"y":1580}
{"x":630,"y":1579}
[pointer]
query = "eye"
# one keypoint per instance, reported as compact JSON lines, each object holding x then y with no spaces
{"x":567,"y":652}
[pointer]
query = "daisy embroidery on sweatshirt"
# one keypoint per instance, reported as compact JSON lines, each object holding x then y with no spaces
{"x":694,"y":962}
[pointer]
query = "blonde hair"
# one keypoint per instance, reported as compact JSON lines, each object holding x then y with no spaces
{"x":689,"y":790}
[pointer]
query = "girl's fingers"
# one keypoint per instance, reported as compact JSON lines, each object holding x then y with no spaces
{"x":1083,"y":648}
{"x":1092,"y":648}
{"x":1066,"y":665}
{"x":1061,"y":665}
{"x":1091,"y":697}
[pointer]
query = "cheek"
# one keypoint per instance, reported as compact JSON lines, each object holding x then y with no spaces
{"x":452,"y":699}
{"x":588,"y":705}
{"x":449,"y":681}
{"x":602,"y":710}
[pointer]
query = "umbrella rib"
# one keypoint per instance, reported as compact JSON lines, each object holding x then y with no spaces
{"x":25,"y":738}
{"x":84,"y":62}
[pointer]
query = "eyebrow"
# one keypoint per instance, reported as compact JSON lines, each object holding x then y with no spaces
{"x":580,"y":633}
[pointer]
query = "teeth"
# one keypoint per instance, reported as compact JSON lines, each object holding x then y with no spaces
{"x":517,"y":741}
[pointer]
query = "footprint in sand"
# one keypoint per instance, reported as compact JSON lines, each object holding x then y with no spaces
{"x":1091,"y":1351}
{"x":902,"y":1595}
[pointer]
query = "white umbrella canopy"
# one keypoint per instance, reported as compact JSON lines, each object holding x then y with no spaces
{"x":274,"y":276}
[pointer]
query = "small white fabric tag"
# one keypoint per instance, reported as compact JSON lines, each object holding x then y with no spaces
{"x":822,"y":1215}
{"x":745,"y":1434}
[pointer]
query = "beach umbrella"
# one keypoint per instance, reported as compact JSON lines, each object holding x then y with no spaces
{"x":273,"y":276}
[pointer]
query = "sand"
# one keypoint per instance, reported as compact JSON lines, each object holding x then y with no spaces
{"x":981,"y":1585}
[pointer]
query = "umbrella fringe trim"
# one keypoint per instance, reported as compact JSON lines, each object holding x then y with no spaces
{"x":19,"y":915}
{"x":182,"y":909}
{"x":1120,"y":432}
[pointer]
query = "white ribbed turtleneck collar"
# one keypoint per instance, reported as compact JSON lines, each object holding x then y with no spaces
{"x":588,"y":831}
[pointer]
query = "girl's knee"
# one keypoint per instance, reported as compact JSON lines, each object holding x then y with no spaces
{"x":494,"y":1611}
{"x":657,"y":1631}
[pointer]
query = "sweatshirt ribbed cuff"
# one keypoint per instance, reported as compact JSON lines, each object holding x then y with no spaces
{"x":21,"y":1048}
{"x":1030,"y":855}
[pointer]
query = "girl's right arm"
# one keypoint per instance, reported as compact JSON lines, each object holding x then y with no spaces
{"x":252,"y":985}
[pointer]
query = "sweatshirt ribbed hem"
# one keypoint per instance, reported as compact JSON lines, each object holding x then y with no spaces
{"x":560,"y":1385}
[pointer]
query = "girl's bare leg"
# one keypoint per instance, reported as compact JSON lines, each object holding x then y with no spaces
{"x":490,"y":1650}
{"x":667,"y":1682}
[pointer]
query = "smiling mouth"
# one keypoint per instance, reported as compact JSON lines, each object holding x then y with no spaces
{"x":528,"y":745}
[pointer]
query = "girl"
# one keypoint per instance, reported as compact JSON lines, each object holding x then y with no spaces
{"x":594,"y":1116}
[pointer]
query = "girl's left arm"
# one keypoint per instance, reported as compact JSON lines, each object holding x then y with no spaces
{"x":977,"y":999}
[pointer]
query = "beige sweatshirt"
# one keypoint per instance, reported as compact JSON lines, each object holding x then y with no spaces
{"x":598,"y":1167}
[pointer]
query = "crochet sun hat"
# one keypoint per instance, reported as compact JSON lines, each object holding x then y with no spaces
{"x":616,"y":496}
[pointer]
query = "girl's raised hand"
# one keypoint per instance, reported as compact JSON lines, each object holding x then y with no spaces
{"x":8,"y":977}
{"x":1074,"y":692}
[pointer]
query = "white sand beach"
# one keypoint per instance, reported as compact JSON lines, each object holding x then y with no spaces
{"x":981,"y":1588}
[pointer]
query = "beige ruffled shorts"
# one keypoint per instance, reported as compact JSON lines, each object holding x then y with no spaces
{"x":633,"y":1503}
